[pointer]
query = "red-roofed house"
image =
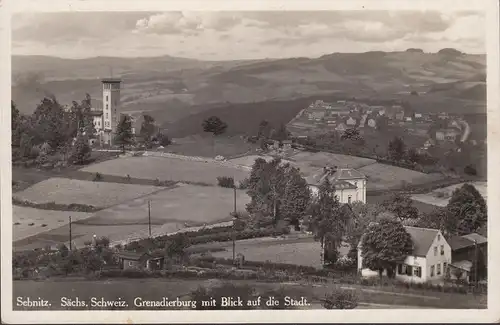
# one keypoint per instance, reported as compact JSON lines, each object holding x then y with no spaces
{"x":430,"y":257}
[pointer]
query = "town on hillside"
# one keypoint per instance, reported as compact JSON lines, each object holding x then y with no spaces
{"x":342,"y":202}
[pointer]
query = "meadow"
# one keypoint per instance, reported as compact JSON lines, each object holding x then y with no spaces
{"x":440,"y":197}
{"x":171,"y":210}
{"x":167,"y":169}
{"x":29,"y":221}
{"x":70,"y":191}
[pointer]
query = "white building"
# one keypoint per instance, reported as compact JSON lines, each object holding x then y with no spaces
{"x":350,"y":184}
{"x":429,"y":260}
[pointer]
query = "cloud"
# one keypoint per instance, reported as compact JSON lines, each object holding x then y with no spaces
{"x":254,"y":34}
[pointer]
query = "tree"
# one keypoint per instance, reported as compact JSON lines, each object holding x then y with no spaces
{"x":384,"y":245}
{"x":264,"y":130}
{"x":362,"y":216}
{"x":397,"y":149}
{"x":329,"y":220}
{"x":215,"y":126}
{"x":81,"y":151}
{"x":148,"y":129}
{"x":26,"y":145}
{"x":350,"y":134}
{"x":413,"y":156}
{"x":50,"y":123}
{"x":439,"y":218}
{"x":175,"y":247}
{"x":162,"y":139}
{"x":277,"y":190}
{"x":468,"y":209}
{"x":402,"y":206}
{"x":15,"y":125}
{"x":124,"y":135}
{"x":88,"y":120}
{"x":280,"y":134}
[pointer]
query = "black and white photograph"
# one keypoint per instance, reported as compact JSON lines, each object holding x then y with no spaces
{"x":269,"y":159}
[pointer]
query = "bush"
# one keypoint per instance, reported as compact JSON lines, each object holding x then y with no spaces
{"x":224,"y":181}
{"x":470,"y":170}
{"x":243,"y":185}
{"x":97,"y":177}
{"x":341,"y":299}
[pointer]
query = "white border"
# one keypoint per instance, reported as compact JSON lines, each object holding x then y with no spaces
{"x":407,"y":316}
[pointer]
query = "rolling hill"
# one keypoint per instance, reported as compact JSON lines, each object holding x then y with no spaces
{"x":179,"y":92}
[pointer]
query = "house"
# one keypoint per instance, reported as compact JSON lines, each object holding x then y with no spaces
{"x":399,"y":116}
{"x":443,"y":116}
{"x":372,"y":123}
{"x":286,"y":144}
{"x":133,"y":260}
{"x":350,"y":184}
{"x":363,"y":120}
{"x":351,"y":121}
{"x":429,"y":143}
{"x":341,"y":127}
{"x":428,"y":261}
{"x":418,"y":115}
{"x":449,"y":134}
{"x":465,"y":250}
{"x":316,"y":115}
{"x":408,"y":119}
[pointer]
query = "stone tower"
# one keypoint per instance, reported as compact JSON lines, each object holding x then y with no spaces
{"x":110,"y":107}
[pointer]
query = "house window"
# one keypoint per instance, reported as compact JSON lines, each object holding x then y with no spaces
{"x":432,"y":270}
{"x":417,"y":271}
{"x":438,"y":269}
{"x":107,"y":116}
{"x":435,"y":251}
{"x":107,"y":99}
{"x":439,"y":237}
{"x":107,"y":106}
{"x":442,"y":249}
{"x":349,"y":199}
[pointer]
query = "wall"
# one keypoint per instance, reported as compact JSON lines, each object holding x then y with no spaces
{"x":438,"y":259}
{"x":414,"y":261}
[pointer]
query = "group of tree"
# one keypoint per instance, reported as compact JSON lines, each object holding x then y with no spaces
{"x":277,"y":192}
{"x":267,"y":132}
{"x":466,"y":212}
{"x":215,"y":126}
{"x":53,"y":128}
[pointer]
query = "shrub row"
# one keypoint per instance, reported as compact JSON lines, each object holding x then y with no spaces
{"x":219,"y":234}
{"x":453,"y":288}
{"x":55,"y":206}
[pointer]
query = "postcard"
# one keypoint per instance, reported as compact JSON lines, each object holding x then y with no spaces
{"x":249,"y":161}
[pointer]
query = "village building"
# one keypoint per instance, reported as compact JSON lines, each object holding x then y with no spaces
{"x":465,"y":251}
{"x":133,"y":260}
{"x":350,"y":184}
{"x":399,"y":116}
{"x":372,"y":123}
{"x":428,"y":261}
{"x":449,"y":134}
{"x":341,"y":127}
{"x":351,"y":121}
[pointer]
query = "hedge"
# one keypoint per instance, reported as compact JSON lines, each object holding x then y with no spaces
{"x":219,"y":234}
{"x":453,"y":288}
{"x":55,"y":206}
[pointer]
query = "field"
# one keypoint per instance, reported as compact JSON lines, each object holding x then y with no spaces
{"x":171,"y":210}
{"x":293,"y":249}
{"x":321,"y":159}
{"x":440,"y":197}
{"x":382,"y":177}
{"x":166,"y":169}
{"x":206,"y":146}
{"x":22,"y":217}
{"x":68,"y":191}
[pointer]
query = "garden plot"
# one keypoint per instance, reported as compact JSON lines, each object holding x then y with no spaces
{"x":171,"y":210}
{"x":441,"y":197}
{"x":165,"y":169}
{"x":382,"y":177}
{"x":29,"y":222}
{"x":68,"y":191}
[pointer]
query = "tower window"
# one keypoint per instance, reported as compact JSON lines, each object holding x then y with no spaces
{"x":107,"y":116}
{"x":349,"y":198}
{"x":107,"y":99}
{"x":107,"y":106}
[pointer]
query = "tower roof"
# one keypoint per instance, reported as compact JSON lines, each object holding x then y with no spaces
{"x":111,"y":81}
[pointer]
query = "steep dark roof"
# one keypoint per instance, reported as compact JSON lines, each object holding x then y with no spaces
{"x":134,"y":256}
{"x":422,"y":239}
{"x":459,"y":242}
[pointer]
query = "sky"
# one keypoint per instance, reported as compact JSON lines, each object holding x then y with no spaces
{"x":226,"y":35}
